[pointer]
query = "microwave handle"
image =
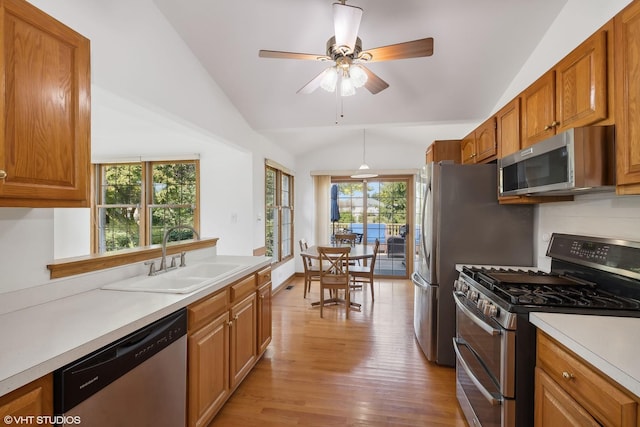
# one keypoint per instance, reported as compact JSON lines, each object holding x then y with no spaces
{"x":526,"y":152}
{"x":493,"y":400}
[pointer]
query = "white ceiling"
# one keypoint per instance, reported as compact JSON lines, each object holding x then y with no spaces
{"x":479,"y":46}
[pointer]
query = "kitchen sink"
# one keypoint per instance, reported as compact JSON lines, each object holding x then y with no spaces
{"x":210,"y":269}
{"x":178,"y":281}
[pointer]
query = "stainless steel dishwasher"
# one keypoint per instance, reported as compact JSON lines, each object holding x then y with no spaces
{"x":139,"y":380}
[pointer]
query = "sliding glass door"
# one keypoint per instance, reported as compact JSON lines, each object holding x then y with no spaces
{"x":378,"y":208}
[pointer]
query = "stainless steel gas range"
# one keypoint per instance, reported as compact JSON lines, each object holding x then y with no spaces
{"x":495,"y":343}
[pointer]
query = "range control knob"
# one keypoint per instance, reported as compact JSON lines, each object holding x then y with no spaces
{"x":460,"y":286}
{"x":490,"y":310}
{"x":482,"y":303}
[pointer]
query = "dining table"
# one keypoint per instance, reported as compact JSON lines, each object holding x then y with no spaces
{"x":358,"y":252}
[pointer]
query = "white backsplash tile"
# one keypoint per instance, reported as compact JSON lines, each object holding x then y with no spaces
{"x":603,"y":215}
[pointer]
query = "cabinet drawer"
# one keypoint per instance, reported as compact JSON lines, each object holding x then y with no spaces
{"x":243,"y":287}
{"x":609,"y":404}
{"x":264,"y":276}
{"x":206,"y":309}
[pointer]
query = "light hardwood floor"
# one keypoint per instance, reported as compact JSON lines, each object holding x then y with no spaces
{"x":365,"y":371}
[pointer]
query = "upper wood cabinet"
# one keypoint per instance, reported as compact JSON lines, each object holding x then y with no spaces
{"x":44,"y":110}
{"x":539,"y":110}
{"x":627,"y":98}
{"x":480,"y":145}
{"x":444,"y":150}
{"x":574,"y":93}
{"x":508,"y":128}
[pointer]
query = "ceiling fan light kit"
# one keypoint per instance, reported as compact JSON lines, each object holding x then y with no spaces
{"x":345,"y":49}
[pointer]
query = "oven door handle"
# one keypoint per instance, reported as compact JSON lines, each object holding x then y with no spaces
{"x":482,"y":324}
{"x":493,"y":400}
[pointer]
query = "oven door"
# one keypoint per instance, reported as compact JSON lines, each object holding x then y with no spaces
{"x":485,"y":366}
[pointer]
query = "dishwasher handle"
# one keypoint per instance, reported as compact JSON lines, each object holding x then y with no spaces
{"x":79,"y":380}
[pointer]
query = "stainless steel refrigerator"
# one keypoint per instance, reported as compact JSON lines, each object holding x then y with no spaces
{"x":459,"y":221}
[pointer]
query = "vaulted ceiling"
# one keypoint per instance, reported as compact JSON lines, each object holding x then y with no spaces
{"x":479,"y":46}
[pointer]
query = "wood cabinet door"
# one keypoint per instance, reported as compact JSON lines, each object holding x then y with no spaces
{"x":45,"y":110}
{"x":581,"y":84}
{"x":208,"y":373}
{"x":264,"y":317}
{"x":508,"y":128}
{"x":554,"y":407}
{"x":627,"y":96}
{"x":33,"y":399}
{"x":243,"y":338}
{"x":538,"y":110}
{"x":486,"y":146}
{"x":468,"y":149}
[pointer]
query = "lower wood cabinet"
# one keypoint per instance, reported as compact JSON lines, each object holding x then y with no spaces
{"x":571,"y":392}
{"x":208,"y":370}
{"x":25,"y":405}
{"x":228,"y":332}
{"x":243,"y":338}
{"x":264,"y":316}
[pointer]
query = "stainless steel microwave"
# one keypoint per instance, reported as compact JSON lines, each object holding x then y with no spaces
{"x":572,"y":162}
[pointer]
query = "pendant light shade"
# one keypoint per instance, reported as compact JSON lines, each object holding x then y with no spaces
{"x":364,"y":171}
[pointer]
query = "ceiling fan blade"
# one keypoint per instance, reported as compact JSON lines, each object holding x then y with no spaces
{"x":374,"y":84}
{"x":412,"y":49}
{"x":313,"y":84}
{"x":346,"y":23}
{"x":291,"y":55}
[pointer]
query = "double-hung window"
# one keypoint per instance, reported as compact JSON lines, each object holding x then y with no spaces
{"x":279,"y":212}
{"x":136,"y":202}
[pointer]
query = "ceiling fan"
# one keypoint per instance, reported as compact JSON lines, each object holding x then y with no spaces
{"x":345,"y":49}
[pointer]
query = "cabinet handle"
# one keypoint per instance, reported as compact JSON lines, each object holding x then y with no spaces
{"x":567,"y":375}
{"x":555,"y":124}
{"x":230,"y":324}
{"x":3,"y":174}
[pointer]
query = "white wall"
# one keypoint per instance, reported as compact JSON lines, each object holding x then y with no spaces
{"x":150,"y":97}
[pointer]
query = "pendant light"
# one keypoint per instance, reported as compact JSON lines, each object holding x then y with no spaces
{"x":364,"y":171}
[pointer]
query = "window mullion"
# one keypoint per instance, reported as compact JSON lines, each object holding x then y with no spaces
{"x":145,"y":223}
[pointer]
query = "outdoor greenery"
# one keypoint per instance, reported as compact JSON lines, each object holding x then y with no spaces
{"x":387,"y":202}
{"x":122,"y":210}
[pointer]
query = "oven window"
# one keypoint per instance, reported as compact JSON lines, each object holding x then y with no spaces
{"x":544,"y":169}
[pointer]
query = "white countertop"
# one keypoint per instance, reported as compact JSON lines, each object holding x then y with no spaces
{"x":40,"y":339}
{"x":611,"y":344}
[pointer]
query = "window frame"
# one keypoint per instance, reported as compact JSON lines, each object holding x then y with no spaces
{"x":280,"y":208}
{"x":146,"y":200}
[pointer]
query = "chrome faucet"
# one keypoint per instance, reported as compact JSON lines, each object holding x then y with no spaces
{"x":163,"y":263}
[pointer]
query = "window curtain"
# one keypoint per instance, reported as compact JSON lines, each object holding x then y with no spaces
{"x":322,"y":195}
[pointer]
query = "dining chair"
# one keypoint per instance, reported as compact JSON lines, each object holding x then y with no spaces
{"x":311,"y":271}
{"x":334,"y":273}
{"x":361,"y":275}
{"x":346,"y":238}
